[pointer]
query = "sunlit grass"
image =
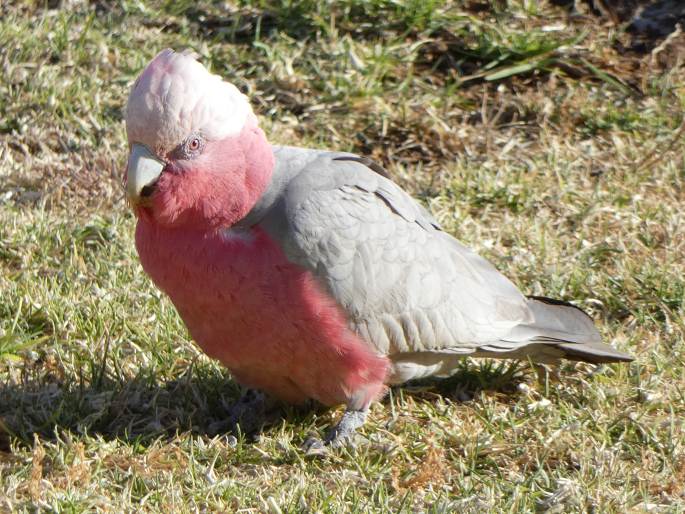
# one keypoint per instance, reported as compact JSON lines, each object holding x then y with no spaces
{"x":524,"y":131}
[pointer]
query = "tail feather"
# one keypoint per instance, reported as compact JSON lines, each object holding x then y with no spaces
{"x":569,"y":329}
{"x":593,"y":352}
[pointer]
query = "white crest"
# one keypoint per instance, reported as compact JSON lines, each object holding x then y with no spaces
{"x":176,"y":96}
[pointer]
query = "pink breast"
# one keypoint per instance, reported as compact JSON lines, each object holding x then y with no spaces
{"x":263,"y":317}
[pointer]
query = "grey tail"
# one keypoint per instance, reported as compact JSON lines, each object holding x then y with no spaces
{"x":595,"y":353}
{"x":573,"y":331}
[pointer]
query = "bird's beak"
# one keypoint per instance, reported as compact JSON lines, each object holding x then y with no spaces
{"x":144,"y":168}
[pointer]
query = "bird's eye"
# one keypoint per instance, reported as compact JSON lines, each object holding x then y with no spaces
{"x":194,"y":144}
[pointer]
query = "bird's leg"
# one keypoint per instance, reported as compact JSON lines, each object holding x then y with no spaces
{"x":340,"y":434}
{"x":346,"y":427}
{"x":252,"y":411}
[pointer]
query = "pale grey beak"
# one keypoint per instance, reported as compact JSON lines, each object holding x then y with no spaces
{"x":144,"y":168}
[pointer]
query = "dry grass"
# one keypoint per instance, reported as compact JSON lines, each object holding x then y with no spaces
{"x":549,"y":140}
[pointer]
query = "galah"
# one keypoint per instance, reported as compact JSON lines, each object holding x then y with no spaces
{"x":308,"y":273}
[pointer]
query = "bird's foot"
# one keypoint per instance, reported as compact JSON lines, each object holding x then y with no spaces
{"x":252,"y":411}
{"x":339,"y":435}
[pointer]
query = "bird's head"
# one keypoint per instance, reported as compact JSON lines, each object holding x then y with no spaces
{"x":197,"y":158}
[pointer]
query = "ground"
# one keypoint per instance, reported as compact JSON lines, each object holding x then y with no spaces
{"x":547,"y":136}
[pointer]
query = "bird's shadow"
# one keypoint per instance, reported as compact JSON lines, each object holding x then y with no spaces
{"x":144,"y":408}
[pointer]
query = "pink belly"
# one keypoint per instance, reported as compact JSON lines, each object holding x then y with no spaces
{"x":264,"y":318}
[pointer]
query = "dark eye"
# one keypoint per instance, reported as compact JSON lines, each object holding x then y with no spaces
{"x":194,"y":144}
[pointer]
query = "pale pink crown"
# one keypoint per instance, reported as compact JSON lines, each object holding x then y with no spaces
{"x":176,"y":96}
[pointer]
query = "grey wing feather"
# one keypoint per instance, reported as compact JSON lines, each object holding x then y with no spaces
{"x":407,"y":287}
{"x":405,"y":284}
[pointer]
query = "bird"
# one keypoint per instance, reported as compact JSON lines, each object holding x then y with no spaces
{"x":309,"y":273}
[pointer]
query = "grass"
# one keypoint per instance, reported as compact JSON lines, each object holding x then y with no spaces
{"x":530,"y":135}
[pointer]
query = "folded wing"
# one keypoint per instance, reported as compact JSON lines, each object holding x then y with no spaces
{"x":410,"y":289}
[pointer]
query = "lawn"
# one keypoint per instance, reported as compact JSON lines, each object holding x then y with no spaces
{"x":549,"y":139}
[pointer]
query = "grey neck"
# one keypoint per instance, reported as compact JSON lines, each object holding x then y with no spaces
{"x":288,"y":162}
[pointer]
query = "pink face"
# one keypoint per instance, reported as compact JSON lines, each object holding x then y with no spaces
{"x":208,"y":184}
{"x":205,"y":162}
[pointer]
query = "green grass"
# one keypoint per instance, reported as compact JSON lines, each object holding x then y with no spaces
{"x":528,"y":135}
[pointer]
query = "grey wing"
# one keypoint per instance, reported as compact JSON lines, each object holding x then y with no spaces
{"x":405,"y":285}
{"x":408,"y":288}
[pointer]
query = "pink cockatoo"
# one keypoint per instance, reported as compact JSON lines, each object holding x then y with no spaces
{"x":308,"y":273}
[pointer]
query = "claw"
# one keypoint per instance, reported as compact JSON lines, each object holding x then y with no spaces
{"x":339,"y":435}
{"x":314,"y":446}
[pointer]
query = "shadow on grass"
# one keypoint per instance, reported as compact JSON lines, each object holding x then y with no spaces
{"x":259,"y":20}
{"x":472,"y":378}
{"x":144,"y":409}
